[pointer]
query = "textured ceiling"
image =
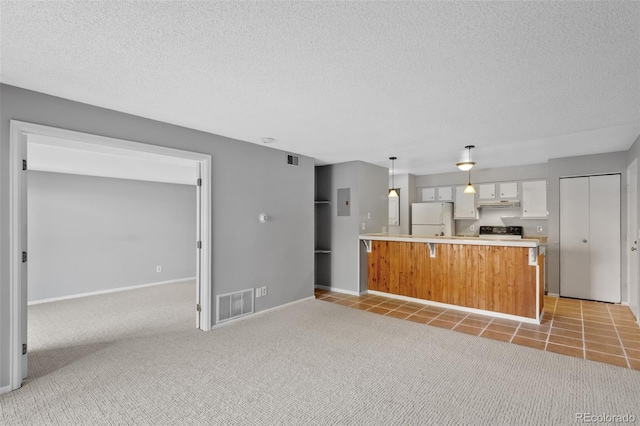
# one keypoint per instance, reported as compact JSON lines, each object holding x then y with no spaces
{"x":342,"y":81}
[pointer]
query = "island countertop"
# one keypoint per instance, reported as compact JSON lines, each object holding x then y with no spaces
{"x":476,"y":241}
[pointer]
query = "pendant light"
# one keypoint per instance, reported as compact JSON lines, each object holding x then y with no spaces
{"x":469,"y":189}
{"x":392,"y":192}
{"x":466,"y":165}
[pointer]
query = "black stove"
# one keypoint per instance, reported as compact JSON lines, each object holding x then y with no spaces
{"x":501,"y":232}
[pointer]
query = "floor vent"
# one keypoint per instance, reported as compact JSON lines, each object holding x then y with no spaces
{"x":293,"y":160}
{"x":234,"y":305}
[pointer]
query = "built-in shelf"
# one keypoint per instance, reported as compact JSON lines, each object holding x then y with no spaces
{"x":322,"y":251}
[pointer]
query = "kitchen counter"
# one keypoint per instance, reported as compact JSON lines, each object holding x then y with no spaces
{"x":503,"y":278}
{"x":524,"y":242}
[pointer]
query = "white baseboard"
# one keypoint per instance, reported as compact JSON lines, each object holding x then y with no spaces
{"x":457,"y":307}
{"x":339,"y":290}
{"x":260,"y":312}
{"x":112,"y":290}
{"x":5,"y":389}
{"x":553,"y":295}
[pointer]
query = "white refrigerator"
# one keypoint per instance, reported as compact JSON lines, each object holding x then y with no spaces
{"x":430,"y":219}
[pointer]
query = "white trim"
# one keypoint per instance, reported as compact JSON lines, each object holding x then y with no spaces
{"x":5,"y":389}
{"x":451,"y":240}
{"x":339,"y":290}
{"x":16,"y":142}
{"x":553,"y":295}
{"x":111,"y":290}
{"x":244,"y":317}
{"x":624,"y":303}
{"x":456,"y":307}
{"x":629,"y":237}
{"x":18,"y":132}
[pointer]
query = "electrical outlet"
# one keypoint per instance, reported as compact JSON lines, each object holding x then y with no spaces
{"x":364,"y":226}
{"x":384,"y":230}
{"x":258,"y":292}
{"x":264,"y":290}
{"x":472,"y":228}
{"x":539,"y":229}
{"x":158,"y":268}
{"x":368,"y":215}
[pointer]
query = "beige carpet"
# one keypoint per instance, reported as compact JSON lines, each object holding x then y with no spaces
{"x":100,"y":360}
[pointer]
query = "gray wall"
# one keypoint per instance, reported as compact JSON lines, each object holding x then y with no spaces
{"x":90,"y":234}
{"x":247,"y":179}
{"x":368,"y":184}
{"x":615,"y":162}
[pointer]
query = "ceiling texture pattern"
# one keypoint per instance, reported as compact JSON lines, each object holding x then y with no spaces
{"x":342,"y":81}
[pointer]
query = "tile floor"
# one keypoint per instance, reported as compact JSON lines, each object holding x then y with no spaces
{"x":596,"y":331}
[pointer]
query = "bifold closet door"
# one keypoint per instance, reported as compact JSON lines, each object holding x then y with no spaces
{"x":590,"y":238}
{"x":604,"y":233}
{"x":574,"y":238}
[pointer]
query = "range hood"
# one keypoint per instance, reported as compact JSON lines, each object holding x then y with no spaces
{"x":501,"y":204}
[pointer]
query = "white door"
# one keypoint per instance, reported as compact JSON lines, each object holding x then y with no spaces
{"x":590,"y":238}
{"x":632,"y":239}
{"x":604,"y":232}
{"x":574,"y":237}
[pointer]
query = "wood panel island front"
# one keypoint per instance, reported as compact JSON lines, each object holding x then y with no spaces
{"x":503,"y":278}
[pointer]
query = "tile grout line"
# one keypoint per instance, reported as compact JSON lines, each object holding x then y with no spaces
{"x":615,"y":327}
{"x":515,"y":332}
{"x":486,"y":326}
{"x":553,"y":315}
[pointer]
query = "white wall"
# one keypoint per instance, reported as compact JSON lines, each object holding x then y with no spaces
{"x":89,"y":234}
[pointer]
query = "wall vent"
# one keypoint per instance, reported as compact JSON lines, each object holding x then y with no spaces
{"x":293,"y":160}
{"x":234,"y":305}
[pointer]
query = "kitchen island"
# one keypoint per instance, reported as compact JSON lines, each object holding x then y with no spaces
{"x":503,"y":278}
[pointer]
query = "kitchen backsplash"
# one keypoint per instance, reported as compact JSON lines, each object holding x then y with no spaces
{"x":502,"y":217}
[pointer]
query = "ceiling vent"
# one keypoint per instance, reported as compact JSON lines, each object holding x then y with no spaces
{"x":293,"y":160}
{"x":234,"y":305}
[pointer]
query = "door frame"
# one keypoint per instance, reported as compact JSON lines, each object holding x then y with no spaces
{"x":632,"y":234}
{"x":17,"y":220}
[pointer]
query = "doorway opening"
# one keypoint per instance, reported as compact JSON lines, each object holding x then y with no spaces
{"x":21,"y":132}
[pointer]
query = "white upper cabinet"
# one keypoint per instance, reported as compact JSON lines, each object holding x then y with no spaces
{"x":534,"y":199}
{"x":487,"y":191}
{"x":445,"y":193}
{"x":508,"y":190}
{"x":442,"y":193}
{"x":465,"y":205}
{"x":428,"y":194}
